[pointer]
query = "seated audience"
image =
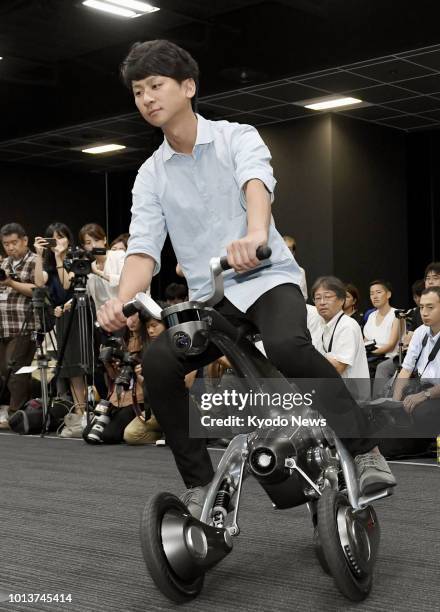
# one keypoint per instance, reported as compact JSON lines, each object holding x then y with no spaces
{"x":418,"y":383}
{"x":352,"y":303}
{"x":341,"y":340}
{"x":382,"y":326}
{"x":17,"y":322}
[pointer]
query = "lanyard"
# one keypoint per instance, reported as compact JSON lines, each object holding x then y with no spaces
{"x":432,"y":355}
{"x":329,"y":350}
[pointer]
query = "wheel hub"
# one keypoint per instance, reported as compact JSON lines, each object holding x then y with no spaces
{"x":355,"y":532}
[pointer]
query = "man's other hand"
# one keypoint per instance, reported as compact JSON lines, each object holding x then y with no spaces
{"x":242,"y":253}
{"x":110,"y":315}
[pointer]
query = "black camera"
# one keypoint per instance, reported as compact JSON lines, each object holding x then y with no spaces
{"x":370,"y":346}
{"x":79,"y":261}
{"x":102,"y":417}
{"x":11,"y":275}
{"x":400,"y":313}
{"x":113,"y":350}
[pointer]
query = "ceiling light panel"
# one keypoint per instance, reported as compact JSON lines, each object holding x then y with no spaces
{"x":135,"y":5}
{"x":103,"y":149}
{"x":332,"y":103}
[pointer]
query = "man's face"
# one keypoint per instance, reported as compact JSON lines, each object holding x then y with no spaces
{"x":379,"y":295}
{"x":160,"y":99}
{"x":327,"y":303}
{"x":430,"y":310}
{"x":15,"y":246}
{"x":432,"y":279}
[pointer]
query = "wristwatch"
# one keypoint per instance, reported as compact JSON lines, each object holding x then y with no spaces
{"x":427,"y":394}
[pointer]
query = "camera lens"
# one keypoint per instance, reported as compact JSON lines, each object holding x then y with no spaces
{"x":182,"y":341}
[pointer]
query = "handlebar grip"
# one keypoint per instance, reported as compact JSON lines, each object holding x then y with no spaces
{"x":263,"y":252}
{"x":129,"y":309}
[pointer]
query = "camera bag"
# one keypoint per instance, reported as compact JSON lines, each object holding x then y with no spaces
{"x":29,"y":420}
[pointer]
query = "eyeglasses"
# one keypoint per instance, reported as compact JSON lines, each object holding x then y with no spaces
{"x":327,"y":297}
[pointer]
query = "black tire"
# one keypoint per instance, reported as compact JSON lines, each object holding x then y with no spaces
{"x":319,"y":552}
{"x":166,"y":580}
{"x":354,"y":588}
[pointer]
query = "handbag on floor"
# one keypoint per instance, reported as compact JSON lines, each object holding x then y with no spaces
{"x":29,"y":420}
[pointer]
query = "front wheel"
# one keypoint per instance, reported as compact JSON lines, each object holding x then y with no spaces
{"x":349,"y":542}
{"x":164,"y":507}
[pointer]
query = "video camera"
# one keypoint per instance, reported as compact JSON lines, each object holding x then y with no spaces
{"x":401,"y":313}
{"x":79,"y":261}
{"x":114,"y":350}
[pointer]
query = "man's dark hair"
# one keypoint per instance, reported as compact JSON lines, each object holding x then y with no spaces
{"x":382,"y":282}
{"x":159,"y":58}
{"x":434,"y":266}
{"x":417,"y":287}
{"x":432,"y":290}
{"x":176,"y":291}
{"x":330,"y":283}
{"x":13,"y":228}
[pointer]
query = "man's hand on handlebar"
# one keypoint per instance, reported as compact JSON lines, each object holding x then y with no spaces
{"x":242,"y":253}
{"x":110,"y":315}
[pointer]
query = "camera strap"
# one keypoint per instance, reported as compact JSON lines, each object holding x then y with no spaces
{"x":432,"y":355}
{"x":137,"y":410}
{"x":329,"y":350}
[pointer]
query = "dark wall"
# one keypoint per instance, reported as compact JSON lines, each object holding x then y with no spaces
{"x":301,"y":158}
{"x":35,"y":197}
{"x":342,"y":194}
{"x":423,"y":201}
{"x":369,"y":203}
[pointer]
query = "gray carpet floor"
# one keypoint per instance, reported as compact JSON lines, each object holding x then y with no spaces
{"x":69,"y":517}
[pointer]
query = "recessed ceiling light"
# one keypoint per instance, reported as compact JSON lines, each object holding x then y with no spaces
{"x":135,"y":5}
{"x":122,"y":8}
{"x":331,"y":103}
{"x":103,"y":149}
{"x":1,"y":58}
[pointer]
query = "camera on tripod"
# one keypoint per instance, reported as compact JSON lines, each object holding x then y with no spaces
{"x":114,"y":350}
{"x":79,"y":261}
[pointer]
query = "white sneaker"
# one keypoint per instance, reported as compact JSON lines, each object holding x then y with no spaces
{"x":161,"y":442}
{"x":4,"y":415}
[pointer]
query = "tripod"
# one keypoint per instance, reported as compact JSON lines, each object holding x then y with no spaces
{"x":80,"y":305}
{"x":39,"y":308}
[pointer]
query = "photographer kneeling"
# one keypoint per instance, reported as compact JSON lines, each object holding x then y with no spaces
{"x":121,"y":358}
{"x":418,"y":382}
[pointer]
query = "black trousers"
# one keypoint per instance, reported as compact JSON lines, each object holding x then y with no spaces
{"x":280,"y":316}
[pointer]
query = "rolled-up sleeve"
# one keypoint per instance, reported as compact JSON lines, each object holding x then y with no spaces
{"x":148,"y":227}
{"x":414,"y":348}
{"x":251,"y":158}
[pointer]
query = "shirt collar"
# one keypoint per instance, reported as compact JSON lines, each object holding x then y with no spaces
{"x":204,"y":136}
{"x":432,"y":337}
{"x":328,"y":326}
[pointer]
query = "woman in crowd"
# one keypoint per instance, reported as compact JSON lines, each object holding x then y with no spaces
{"x":382,"y":326}
{"x":50,"y":271}
{"x":120,"y":243}
{"x":126,"y":403}
{"x":351,"y":304}
{"x":103,"y":283}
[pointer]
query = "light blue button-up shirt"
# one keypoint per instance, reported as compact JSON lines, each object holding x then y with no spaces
{"x":199,"y":200}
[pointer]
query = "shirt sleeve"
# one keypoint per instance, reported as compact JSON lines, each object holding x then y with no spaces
{"x":148,"y":226}
{"x":251,"y":158}
{"x":414,"y":348}
{"x":344,"y":346}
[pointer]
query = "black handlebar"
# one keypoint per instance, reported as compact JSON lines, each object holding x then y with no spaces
{"x":263,"y":252}
{"x":129,"y":309}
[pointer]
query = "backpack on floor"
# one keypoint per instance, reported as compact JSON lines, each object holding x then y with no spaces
{"x":29,"y":420}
